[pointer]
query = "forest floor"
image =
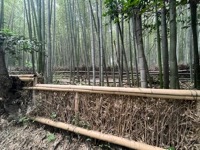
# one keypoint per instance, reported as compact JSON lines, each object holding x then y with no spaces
{"x":32,"y":136}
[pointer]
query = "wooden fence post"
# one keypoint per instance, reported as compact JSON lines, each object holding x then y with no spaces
{"x":76,"y":108}
{"x":76,"y":105}
{"x":198,"y":114}
{"x":35,"y":80}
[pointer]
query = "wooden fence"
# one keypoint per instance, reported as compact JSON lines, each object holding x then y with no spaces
{"x":161,"y":117}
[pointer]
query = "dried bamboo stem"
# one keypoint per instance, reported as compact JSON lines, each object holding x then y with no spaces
{"x":24,"y":75}
{"x":98,"y":135}
{"x":26,"y":79}
{"x":120,"y":89}
{"x":135,"y":92}
{"x":76,"y":105}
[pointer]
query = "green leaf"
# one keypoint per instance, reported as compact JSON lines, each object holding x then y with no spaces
{"x":53,"y":115}
{"x":50,"y":137}
{"x":171,"y":148}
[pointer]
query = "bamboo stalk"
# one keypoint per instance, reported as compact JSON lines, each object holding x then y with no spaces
{"x":76,"y":105}
{"x":194,"y":93}
{"x":26,"y":79}
{"x":152,"y":95}
{"x":97,"y":135}
{"x":143,"y":92}
{"x":24,"y":75}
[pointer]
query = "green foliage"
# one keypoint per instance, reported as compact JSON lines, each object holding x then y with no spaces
{"x":127,"y":8}
{"x":84,"y":124}
{"x":105,"y":146}
{"x":53,"y":115}
{"x":51,"y":137}
{"x":6,"y":32}
{"x":171,"y":148}
{"x":24,"y":120}
{"x":28,"y":64}
{"x":14,"y":44}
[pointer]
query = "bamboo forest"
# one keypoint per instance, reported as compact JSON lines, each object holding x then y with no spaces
{"x":104,"y":70}
{"x":114,"y":41}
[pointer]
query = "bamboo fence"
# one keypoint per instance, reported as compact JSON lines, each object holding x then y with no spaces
{"x":96,"y":105}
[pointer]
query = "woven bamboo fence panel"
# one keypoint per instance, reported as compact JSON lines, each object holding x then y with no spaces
{"x":154,"y":121}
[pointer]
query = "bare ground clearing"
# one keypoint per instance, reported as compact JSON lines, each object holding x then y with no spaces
{"x":32,"y":136}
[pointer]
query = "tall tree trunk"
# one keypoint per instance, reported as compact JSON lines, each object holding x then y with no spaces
{"x":49,"y":43}
{"x":159,"y":47}
{"x":141,"y":55}
{"x":174,"y":80}
{"x":41,"y":36}
{"x":123,"y":54}
{"x":101,"y":44}
{"x":118,"y":55}
{"x":54,"y":38}
{"x":113,"y":58}
{"x":92,"y":22}
{"x":29,"y":22}
{"x":5,"y":82}
{"x":165,"y":55}
{"x":193,"y":9}
{"x":135,"y":50}
{"x":130,"y":52}
{"x":2,"y":15}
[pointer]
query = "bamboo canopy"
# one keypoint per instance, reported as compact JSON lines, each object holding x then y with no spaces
{"x":97,"y":135}
{"x":143,"y":92}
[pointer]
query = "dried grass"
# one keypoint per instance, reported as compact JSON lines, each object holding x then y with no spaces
{"x":156,"y":122}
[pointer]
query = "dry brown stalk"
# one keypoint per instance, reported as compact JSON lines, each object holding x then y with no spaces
{"x":98,"y":135}
{"x":154,"y":93}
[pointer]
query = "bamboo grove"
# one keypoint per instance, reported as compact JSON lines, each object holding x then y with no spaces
{"x":123,"y":39}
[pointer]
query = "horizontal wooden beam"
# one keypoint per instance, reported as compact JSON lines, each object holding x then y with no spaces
{"x":142,"y":92}
{"x":97,"y":135}
{"x":24,"y":75}
{"x":26,"y":79}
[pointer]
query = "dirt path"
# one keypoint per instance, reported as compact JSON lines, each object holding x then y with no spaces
{"x":32,"y":136}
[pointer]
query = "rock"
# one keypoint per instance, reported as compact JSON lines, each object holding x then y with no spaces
{"x":3,"y":123}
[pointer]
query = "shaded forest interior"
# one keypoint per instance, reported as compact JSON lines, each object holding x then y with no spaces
{"x":123,"y":36}
{"x":118,"y":43}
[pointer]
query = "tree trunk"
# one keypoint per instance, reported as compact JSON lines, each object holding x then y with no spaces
{"x":92,"y":46}
{"x":135,"y":50}
{"x":113,"y":58}
{"x":165,"y":55}
{"x":174,"y":80}
{"x":49,"y":77}
{"x":101,"y":44}
{"x":2,"y":15}
{"x":193,"y":9}
{"x":5,"y":82}
{"x":159,"y":47}
{"x":141,"y":55}
{"x":118,"y":57}
{"x":131,"y":53}
{"x":123,"y":54}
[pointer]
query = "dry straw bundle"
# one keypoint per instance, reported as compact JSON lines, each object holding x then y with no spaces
{"x":156,"y":122}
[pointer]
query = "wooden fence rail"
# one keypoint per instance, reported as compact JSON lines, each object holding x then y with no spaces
{"x":142,"y":92}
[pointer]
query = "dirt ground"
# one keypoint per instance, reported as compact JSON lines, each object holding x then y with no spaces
{"x":32,"y":136}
